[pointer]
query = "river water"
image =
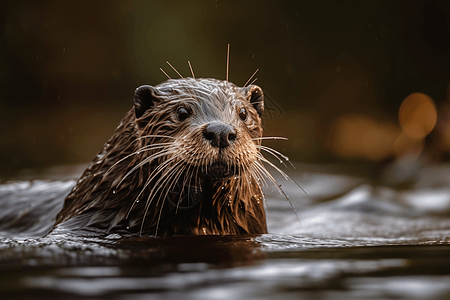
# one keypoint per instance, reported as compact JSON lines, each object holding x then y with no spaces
{"x":349,"y":238}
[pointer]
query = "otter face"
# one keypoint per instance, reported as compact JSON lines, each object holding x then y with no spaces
{"x":208,"y":126}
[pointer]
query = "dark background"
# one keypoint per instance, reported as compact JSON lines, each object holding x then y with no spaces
{"x":68,"y":70}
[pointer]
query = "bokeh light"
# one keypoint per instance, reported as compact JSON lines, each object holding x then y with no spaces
{"x":417,"y":115}
{"x":360,"y":136}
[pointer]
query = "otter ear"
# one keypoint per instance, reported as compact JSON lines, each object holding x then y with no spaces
{"x":145,"y":97}
{"x":256,"y":97}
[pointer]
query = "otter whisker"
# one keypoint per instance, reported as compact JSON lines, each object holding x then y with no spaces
{"x":270,"y":138}
{"x":165,"y":176}
{"x":174,"y":180}
{"x":228,"y":60}
{"x":147,"y":146}
{"x":251,"y":77}
{"x":145,"y":161}
{"x":239,"y":184}
{"x":247,"y":171}
{"x":150,"y":198}
{"x":261,"y":174}
{"x":260,"y":178}
{"x":192,"y":71}
{"x":254,"y":80}
{"x":182,"y":190}
{"x":157,"y":170}
{"x":197,"y":180}
{"x":157,"y":148}
{"x":142,"y":149}
{"x":149,"y":180}
{"x":276,"y":154}
{"x":266,"y":174}
{"x":262,"y":158}
{"x":280,"y":190}
{"x":171,"y":180}
{"x":165,"y":73}
{"x":165,"y":173}
{"x":174,"y":69}
{"x":271,"y":153}
{"x":284,"y":175}
{"x":155,"y":135}
{"x":176,"y":176}
{"x":168,"y":177}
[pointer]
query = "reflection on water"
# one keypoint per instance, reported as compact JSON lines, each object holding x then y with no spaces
{"x":355,"y":240}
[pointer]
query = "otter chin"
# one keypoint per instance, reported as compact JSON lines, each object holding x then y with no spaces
{"x":185,"y":160}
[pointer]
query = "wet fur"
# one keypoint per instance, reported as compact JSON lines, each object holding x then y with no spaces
{"x":153,"y":157}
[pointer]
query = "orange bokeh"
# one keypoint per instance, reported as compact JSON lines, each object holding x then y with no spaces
{"x":417,"y":115}
{"x":360,"y":136}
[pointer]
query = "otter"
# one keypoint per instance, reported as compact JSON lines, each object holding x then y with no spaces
{"x":185,"y":160}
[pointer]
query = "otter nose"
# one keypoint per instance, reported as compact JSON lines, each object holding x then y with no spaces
{"x":219,"y":134}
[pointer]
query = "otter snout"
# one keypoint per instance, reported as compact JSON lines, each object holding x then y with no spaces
{"x":219,"y":134}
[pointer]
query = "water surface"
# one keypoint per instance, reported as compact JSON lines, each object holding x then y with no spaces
{"x":351,"y":238}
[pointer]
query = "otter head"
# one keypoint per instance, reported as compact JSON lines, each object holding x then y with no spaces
{"x":211,"y":127}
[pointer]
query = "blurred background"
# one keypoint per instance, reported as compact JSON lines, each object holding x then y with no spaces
{"x":363,"y":82}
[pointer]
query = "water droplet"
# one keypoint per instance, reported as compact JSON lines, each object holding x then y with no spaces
{"x":139,"y":152}
{"x":223,"y":187}
{"x":128,"y":227}
{"x":137,"y":200}
{"x":114,"y":191}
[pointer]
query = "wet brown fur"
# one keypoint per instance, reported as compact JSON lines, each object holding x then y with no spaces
{"x":133,"y":183}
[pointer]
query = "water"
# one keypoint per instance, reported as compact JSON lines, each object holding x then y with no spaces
{"x":353,"y":239}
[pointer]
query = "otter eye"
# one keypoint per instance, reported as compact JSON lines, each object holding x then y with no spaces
{"x":182,"y":114}
{"x":243,"y":114}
